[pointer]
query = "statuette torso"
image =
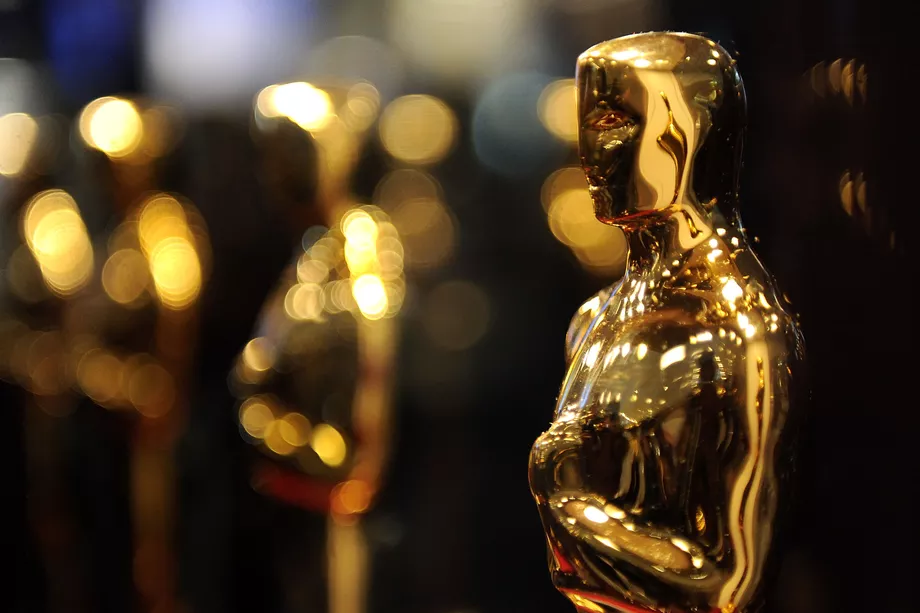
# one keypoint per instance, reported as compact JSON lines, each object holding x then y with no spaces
{"x":661,"y":480}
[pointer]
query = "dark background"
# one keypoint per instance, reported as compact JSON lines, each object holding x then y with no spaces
{"x":456,"y":529}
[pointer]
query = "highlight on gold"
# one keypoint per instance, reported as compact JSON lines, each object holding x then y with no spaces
{"x":58,"y":240}
{"x":418,"y":129}
{"x":570,"y":212}
{"x":556,"y":109}
{"x":686,"y":372}
{"x":112,"y":125}
{"x":18,"y":133}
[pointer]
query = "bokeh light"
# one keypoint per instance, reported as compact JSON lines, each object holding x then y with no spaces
{"x":125,"y":276}
{"x":358,"y":58}
{"x":362,"y":104}
{"x":360,"y":232}
{"x":329,"y":445}
{"x":259,"y":354}
{"x":38,"y":362}
{"x":308,"y":106}
{"x":274,"y":438}
{"x":99,"y":375}
{"x":176,"y":272}
{"x":428,"y":232}
{"x":21,"y":87}
{"x":58,"y":240}
{"x":356,"y":266}
{"x":255,"y":416}
{"x":150,"y":388}
{"x":508,"y":136}
{"x":562,"y":180}
{"x":404,"y":184}
{"x":304,"y":301}
{"x":462,"y":43}
{"x":295,"y":429}
{"x":112,"y":125}
{"x":418,"y":129}
{"x":23,"y":276}
{"x":371,"y":296}
{"x":570,"y":211}
{"x":18,"y":132}
{"x":211,"y":55}
{"x":556,"y":108}
{"x":352,"y":496}
{"x":168,"y":243}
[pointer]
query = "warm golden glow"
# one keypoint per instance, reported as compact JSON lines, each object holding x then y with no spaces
{"x":361,"y":106}
{"x":99,"y":375}
{"x":150,"y":389}
{"x":58,"y":240}
{"x":112,"y":125}
{"x":370,"y":295}
{"x":259,"y":354}
{"x":304,"y":301}
{"x":329,"y":445}
{"x":562,"y":180}
{"x":255,"y":415}
{"x":350,"y":497}
{"x":176,"y":272}
{"x":367,"y":280}
{"x":311,"y":271}
{"x":168,"y":242}
{"x":125,"y":276}
{"x":418,"y":129}
{"x":360,"y":242}
{"x":571,"y":217}
{"x":23,"y":277}
{"x":556,"y":108}
{"x":404,"y":184}
{"x":427,"y":231}
{"x":572,"y":221}
{"x":295,"y":429}
{"x":161,"y":217}
{"x":359,"y":227}
{"x":308,"y":106}
{"x":275,"y":440}
{"x":18,"y":132}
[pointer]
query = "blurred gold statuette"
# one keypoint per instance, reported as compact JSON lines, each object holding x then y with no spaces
{"x":662,"y":478}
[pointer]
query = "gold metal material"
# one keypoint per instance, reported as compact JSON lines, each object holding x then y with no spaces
{"x":662,"y":479}
{"x":316,"y":383}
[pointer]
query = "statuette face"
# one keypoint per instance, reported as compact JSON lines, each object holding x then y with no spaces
{"x":662,"y":479}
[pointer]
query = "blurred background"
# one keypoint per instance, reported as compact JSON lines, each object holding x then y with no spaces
{"x":285,"y":285}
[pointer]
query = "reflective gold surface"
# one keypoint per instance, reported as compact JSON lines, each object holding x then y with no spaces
{"x":662,"y":478}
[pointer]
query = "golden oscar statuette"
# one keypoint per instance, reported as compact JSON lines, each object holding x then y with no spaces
{"x":663,"y":478}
